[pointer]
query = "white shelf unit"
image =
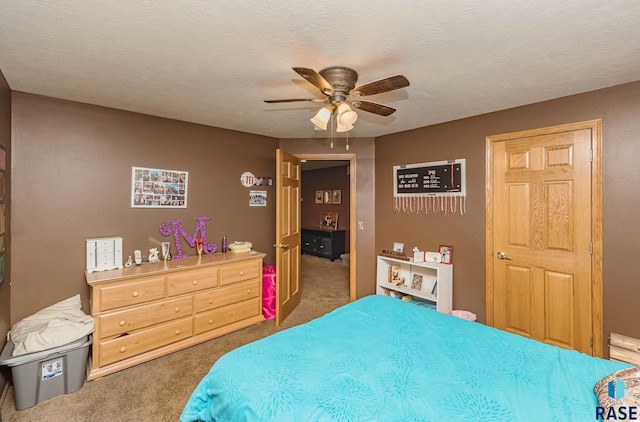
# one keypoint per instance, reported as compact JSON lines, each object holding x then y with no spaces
{"x":429,"y":272}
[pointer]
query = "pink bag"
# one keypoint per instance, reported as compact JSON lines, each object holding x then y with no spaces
{"x":269,"y":291}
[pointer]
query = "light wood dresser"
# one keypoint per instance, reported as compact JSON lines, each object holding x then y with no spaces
{"x":147,"y":311}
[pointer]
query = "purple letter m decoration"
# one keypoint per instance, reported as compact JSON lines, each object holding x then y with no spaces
{"x":176,"y":225}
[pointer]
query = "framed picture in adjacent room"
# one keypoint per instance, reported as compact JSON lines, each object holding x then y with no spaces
{"x":327,"y":197}
{"x":329,"y":220}
{"x":337,"y":196}
{"x":319,"y":197}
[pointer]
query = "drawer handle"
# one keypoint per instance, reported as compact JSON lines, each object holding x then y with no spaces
{"x":134,"y":294}
{"x":248,"y":292}
{"x":177,"y":309}
{"x":177,"y":332}
{"x":123,"y":349}
{"x":241,"y":272}
{"x":194,"y":282}
{"x":210,"y":321}
{"x":210,"y":301}
{"x":122,"y":323}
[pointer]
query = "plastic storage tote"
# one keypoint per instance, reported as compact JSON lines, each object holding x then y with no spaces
{"x":269,"y":291}
{"x":43,"y":375}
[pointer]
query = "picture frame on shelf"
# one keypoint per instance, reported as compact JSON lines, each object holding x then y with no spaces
{"x":327,"y":197}
{"x":337,"y":196}
{"x":395,"y":275}
{"x":435,"y":257}
{"x":319,"y":197}
{"x":446,"y":254}
{"x":416,"y":282}
{"x":398,"y":247}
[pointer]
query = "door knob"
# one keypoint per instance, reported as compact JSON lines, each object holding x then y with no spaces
{"x":502,"y":255}
{"x":281,"y":245}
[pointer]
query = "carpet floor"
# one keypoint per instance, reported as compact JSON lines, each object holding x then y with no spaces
{"x":158,"y":390}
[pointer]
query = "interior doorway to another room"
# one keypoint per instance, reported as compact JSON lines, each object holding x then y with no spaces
{"x":327,"y":215}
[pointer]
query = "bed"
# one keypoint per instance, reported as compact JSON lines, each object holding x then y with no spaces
{"x":383,"y":359}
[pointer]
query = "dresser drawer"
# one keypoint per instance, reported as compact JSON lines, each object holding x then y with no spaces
{"x":192,"y":281}
{"x":104,"y":243}
{"x":143,"y":341}
{"x":119,"y":322}
{"x":240,"y":271}
{"x":224,"y":315}
{"x":105,"y":249}
{"x":227,"y":295}
{"x":131,"y":293}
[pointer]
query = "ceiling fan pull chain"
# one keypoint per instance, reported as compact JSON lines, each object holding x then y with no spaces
{"x":347,"y":146}
{"x":332,"y":131}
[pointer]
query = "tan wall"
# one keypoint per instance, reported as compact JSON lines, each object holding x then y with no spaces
{"x":364,"y":151}
{"x":72,"y":166}
{"x":619,"y":107}
{"x":5,"y":287}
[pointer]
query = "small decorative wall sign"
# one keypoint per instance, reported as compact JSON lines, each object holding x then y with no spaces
{"x":258,"y":198}
{"x":435,"y":187}
{"x":248,"y":179}
{"x":158,"y":188}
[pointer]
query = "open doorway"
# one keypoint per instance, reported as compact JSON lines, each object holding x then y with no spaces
{"x":326,"y":212}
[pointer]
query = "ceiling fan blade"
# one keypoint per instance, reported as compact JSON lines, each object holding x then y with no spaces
{"x":293,"y":100}
{"x":380,"y":86}
{"x":375,"y":108}
{"x":315,"y":79}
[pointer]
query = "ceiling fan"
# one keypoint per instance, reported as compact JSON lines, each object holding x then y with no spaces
{"x":338,"y":84}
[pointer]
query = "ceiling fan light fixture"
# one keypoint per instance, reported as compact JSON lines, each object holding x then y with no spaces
{"x":345,"y":115}
{"x":343,"y":128}
{"x":321,"y":118}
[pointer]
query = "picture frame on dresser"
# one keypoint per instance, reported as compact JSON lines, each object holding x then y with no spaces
{"x":319,"y":197}
{"x":327,"y":197}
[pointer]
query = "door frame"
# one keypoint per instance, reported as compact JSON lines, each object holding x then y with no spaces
{"x":352,"y":210}
{"x":596,"y":219}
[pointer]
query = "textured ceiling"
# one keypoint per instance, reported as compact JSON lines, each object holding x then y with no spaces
{"x":214,"y":62}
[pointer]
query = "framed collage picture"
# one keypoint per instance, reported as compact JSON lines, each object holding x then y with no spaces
{"x":158,"y":188}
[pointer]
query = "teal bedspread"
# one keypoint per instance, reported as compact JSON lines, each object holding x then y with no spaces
{"x":382,"y":359}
